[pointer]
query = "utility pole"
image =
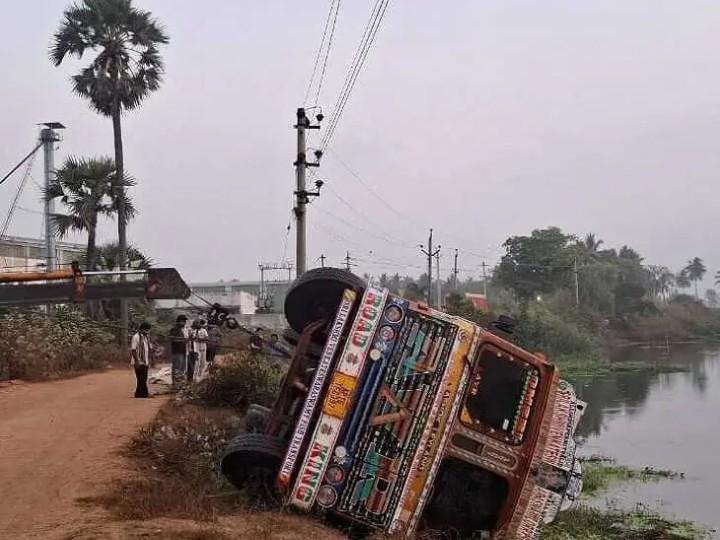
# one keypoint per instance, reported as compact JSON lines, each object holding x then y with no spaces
{"x":577,"y":283}
{"x":302,"y":195}
{"x":455,"y":272}
{"x":322,"y":260}
{"x":429,"y":253}
{"x":484,"y":266}
{"x":348,"y":262}
{"x":437,"y":279}
{"x":49,"y":137}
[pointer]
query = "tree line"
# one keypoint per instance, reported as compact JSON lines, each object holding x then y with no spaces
{"x":547,"y":262}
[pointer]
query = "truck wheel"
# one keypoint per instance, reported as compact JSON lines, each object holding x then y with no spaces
{"x":255,"y":418}
{"x":317,"y":294}
{"x":231,"y":323}
{"x":252,"y":459}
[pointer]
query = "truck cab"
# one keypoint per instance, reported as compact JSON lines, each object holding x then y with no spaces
{"x":413,"y":419}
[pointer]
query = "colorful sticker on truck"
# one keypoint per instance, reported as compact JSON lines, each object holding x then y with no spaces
{"x":427,"y":459}
{"x":400,"y":413}
{"x":371,"y":381}
{"x":339,"y":398}
{"x":323,"y":367}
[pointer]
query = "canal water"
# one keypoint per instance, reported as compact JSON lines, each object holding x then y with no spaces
{"x":662,"y":420}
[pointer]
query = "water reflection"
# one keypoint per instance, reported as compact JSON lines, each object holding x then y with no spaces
{"x":626,"y":393}
{"x":664,"y":420}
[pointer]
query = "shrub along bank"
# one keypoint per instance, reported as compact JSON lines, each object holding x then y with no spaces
{"x":35,"y":346}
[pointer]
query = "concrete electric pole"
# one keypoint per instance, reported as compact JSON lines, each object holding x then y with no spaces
{"x":348,"y":262}
{"x":577,"y":283}
{"x":429,"y":253}
{"x":455,"y":272}
{"x":49,"y":136}
{"x":302,"y":195}
{"x":484,"y":266}
{"x":437,"y":279}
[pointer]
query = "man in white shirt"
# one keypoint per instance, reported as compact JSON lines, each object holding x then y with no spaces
{"x":140,"y":351}
{"x":198,"y":350}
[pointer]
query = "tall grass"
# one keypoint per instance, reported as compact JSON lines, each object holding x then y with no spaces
{"x":34,"y":346}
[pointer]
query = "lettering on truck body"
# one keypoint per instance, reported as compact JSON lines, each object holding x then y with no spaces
{"x":324,"y":365}
{"x":349,"y":367}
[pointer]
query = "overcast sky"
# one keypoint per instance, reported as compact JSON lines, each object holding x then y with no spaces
{"x":482,"y":119}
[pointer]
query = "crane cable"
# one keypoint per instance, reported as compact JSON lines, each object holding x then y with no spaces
{"x":16,"y":167}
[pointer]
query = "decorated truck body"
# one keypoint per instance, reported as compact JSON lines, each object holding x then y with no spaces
{"x":403,"y":418}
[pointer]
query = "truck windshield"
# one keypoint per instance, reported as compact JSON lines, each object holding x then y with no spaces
{"x":501,"y":395}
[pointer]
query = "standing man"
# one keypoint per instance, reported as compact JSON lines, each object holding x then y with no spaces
{"x":178,"y":350}
{"x":198,"y":349}
{"x":140,"y":359}
{"x":214,"y":340}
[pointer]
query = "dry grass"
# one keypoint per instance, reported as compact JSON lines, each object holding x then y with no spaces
{"x":177,"y":459}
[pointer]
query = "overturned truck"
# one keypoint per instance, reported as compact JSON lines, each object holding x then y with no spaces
{"x":402,"y":418}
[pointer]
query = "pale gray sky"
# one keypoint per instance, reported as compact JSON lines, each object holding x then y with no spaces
{"x":482,"y":119}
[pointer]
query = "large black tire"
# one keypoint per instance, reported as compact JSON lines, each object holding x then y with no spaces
{"x":252,"y":459}
{"x":317,"y":294}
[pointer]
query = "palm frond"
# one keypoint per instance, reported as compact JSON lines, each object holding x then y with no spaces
{"x":62,"y":224}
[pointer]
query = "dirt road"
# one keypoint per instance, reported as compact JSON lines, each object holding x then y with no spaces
{"x":59,"y":441}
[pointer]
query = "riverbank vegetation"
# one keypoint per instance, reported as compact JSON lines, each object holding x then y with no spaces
{"x":581,"y":303}
{"x":590,"y":524}
{"x":599,"y":474}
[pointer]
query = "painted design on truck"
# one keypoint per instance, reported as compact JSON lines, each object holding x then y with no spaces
{"x":427,"y":462}
{"x":339,"y":395}
{"x":401,"y":392}
{"x":383,"y":345}
{"x":324,"y":366}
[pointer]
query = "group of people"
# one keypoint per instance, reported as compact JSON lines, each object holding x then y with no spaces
{"x":192,"y":350}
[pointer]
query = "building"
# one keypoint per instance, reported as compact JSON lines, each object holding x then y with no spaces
{"x":479,"y":301}
{"x":18,"y":253}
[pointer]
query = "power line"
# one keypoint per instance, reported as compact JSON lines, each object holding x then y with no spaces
{"x":287,"y":236}
{"x":364,"y":231}
{"x":360,"y":214}
{"x":321,"y":47}
{"x":327,"y":52}
{"x":356,"y":66}
{"x":391,"y":207}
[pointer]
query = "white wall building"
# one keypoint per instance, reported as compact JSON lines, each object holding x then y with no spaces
{"x":24,"y":254}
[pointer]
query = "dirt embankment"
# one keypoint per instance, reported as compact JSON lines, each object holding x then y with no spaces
{"x":60,"y":442}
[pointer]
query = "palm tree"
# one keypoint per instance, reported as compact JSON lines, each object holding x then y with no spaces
{"x":695,"y":271}
{"x":86,"y":188}
{"x":682,"y":280}
{"x":591,"y":243}
{"x":108,"y":257}
{"x":127,"y":67}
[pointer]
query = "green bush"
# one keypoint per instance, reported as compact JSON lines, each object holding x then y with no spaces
{"x":241,"y":379}
{"x":539,"y":329}
{"x":34,"y":346}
